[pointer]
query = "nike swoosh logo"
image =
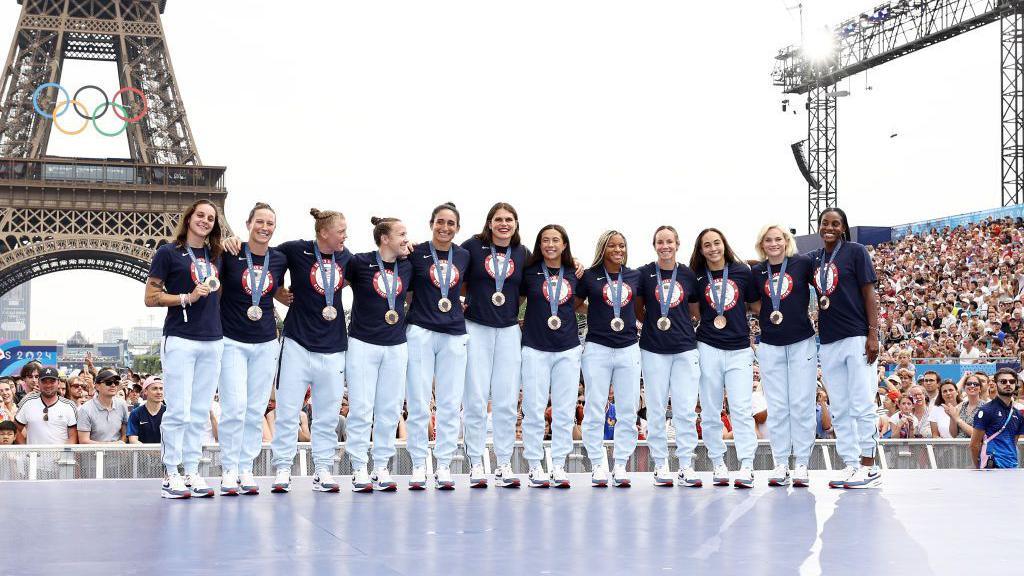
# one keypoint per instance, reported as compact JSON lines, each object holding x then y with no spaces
{"x":427,"y":256}
{"x":653,"y":275}
{"x":699,"y":278}
{"x":307,"y":253}
{"x":373,"y":265}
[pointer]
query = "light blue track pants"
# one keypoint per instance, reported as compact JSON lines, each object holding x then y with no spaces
{"x":191,"y":371}
{"x":789,"y":375}
{"x":376,"y":388}
{"x":246,"y":376}
{"x":300,"y":370}
{"x":492,"y":371}
{"x":441,"y":358}
{"x":607,"y":368}
{"x":678,"y":376}
{"x":557,"y":373}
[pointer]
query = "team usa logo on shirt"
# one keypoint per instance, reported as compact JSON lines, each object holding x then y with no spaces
{"x":563,"y":296}
{"x":316,"y":280}
{"x":257,"y":270}
{"x":378,"y":283}
{"x":787,"y":285}
{"x":677,"y":293}
{"x":625,"y":297}
{"x":444,"y":268}
{"x":831,"y":279}
{"x":202,"y":264}
{"x":731,"y":293}
{"x":489,"y":265}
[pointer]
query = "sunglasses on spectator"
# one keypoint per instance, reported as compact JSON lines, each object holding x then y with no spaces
{"x":1006,"y":381}
{"x":112,"y":382}
{"x":46,"y":413}
{"x":972,"y":383}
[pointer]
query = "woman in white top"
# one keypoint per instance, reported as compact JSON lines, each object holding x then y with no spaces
{"x":947,"y":407}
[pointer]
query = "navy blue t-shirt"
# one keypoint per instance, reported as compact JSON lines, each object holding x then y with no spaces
{"x":237,"y":288}
{"x":480,"y":283}
{"x":680,"y":337}
{"x":305,"y":322}
{"x":846,"y":315}
{"x":989,"y":419}
{"x":426,"y":291}
{"x":370,"y":302}
{"x":144,"y":425}
{"x":536,"y":333}
{"x":741,"y":289}
{"x":795,"y":297}
{"x":174,"y":266}
{"x":595,"y":289}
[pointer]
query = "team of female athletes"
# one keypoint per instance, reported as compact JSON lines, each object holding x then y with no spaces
{"x":440,"y":321}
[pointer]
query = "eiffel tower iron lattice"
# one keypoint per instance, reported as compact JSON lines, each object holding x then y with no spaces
{"x":59,"y":213}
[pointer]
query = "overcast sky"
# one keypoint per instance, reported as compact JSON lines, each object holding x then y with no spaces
{"x":589,"y":113}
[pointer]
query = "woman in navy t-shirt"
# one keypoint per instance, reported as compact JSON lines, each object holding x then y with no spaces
{"x":551,"y":354}
{"x":378,"y":355}
{"x":724,"y":291}
{"x":788,"y":353}
{"x":184,"y":278}
{"x":437,"y":346}
{"x":313,"y":352}
{"x":668,"y":350}
{"x":611,"y":357}
{"x":251,"y":349}
{"x":496,"y":262}
{"x":848,"y":327}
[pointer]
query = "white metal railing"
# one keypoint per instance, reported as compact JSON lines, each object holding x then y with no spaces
{"x":57,"y":462}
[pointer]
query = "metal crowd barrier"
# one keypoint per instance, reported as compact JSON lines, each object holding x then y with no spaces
{"x":62,"y":462}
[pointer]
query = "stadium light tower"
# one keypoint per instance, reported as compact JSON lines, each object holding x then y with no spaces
{"x":880,"y":35}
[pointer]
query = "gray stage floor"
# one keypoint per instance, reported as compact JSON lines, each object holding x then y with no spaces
{"x":920,"y":522}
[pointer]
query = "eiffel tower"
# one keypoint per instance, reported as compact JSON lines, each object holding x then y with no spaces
{"x":60,"y":213}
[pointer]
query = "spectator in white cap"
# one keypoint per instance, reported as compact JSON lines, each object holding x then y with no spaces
{"x":144,"y":421}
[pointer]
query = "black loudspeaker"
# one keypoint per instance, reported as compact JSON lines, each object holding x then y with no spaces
{"x":798,"y":155}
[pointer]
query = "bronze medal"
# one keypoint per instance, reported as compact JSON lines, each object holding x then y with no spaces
{"x":776,"y":317}
{"x":720,"y":321}
{"x":330,"y":313}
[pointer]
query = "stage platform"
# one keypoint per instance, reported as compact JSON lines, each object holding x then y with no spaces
{"x":919,"y":522}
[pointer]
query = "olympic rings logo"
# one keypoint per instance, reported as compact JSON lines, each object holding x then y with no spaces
{"x":78,"y":106}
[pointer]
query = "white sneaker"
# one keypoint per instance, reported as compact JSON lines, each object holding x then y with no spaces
{"x":663,"y":476}
{"x":619,"y":476}
{"x":229,"y":483}
{"x":744,"y":478}
{"x":720,"y":477}
{"x":247,"y":483}
{"x":800,"y":477}
{"x":282,"y":481}
{"x":865,"y":477}
{"x":841,"y":477}
{"x":539,"y":478}
{"x":779,"y":476}
{"x":443,"y":479}
{"x":688,"y":477}
{"x":505,"y":478}
{"x":198,"y":486}
{"x":418,"y":479}
{"x":382,"y":480}
{"x":323,"y":481}
{"x":477,"y":479}
{"x":361,"y":480}
{"x":599,"y":477}
{"x":174,"y":487}
{"x":559,"y":478}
